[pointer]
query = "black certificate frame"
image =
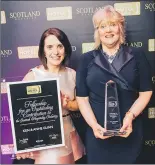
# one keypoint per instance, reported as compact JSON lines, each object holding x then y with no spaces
{"x":36,"y":115}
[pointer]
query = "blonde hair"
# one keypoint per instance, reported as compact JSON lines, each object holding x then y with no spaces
{"x":108,"y":14}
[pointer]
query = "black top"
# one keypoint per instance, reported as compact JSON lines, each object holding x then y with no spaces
{"x":132,"y":73}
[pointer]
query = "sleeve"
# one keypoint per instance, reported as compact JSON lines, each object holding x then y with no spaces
{"x":144,"y":70}
{"x":29,"y":76}
{"x":81,"y":75}
{"x":73,"y":73}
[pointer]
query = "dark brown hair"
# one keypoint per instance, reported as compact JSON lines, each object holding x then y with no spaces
{"x":62,"y":37}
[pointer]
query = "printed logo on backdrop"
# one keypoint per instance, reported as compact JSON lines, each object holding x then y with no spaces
{"x":151,"y":45}
{"x":153,"y":79}
{"x":13,"y":156}
{"x":129,"y":8}
{"x":3,"y":87}
{"x":3,"y":17}
{"x":135,"y":44}
{"x":86,"y":11}
{"x":150,"y":6}
{"x":150,"y":143}
{"x":7,"y":149}
{"x":151,"y":113}
{"x":6,"y":53}
{"x":28,"y":52}
{"x":73,"y":48}
{"x":5,"y":119}
{"x":24,"y":15}
{"x":86,"y":47}
{"x":59,"y":13}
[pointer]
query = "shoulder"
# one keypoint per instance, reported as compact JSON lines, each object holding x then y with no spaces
{"x":31,"y":73}
{"x":71,"y":74}
{"x":85,"y":58}
{"x":88,"y":55}
{"x":71,"y":71}
{"x":137,"y":53}
{"x":29,"y":76}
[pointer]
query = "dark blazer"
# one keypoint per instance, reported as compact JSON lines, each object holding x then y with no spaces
{"x":131,"y":72}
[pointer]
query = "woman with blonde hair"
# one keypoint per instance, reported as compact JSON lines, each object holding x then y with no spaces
{"x":128,"y":67}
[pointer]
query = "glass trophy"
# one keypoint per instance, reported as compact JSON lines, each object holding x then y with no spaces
{"x":112,"y":122}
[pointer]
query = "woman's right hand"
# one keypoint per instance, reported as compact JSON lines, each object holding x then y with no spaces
{"x":64,"y":100}
{"x":24,"y":155}
{"x":99,"y":131}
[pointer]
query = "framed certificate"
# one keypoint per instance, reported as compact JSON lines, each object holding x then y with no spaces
{"x":36,"y":115}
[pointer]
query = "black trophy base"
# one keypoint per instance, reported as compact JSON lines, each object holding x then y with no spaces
{"x":113,"y":133}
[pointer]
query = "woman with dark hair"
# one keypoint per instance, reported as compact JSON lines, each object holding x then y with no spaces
{"x":54,"y":51}
{"x":111,"y":61}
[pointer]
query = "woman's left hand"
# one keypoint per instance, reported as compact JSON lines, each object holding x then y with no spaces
{"x":127,"y":126}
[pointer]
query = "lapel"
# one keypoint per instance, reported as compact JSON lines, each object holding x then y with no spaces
{"x":101,"y":61}
{"x":121,"y":59}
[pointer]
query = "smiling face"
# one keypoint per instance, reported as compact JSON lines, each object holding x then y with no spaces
{"x":109,"y":27}
{"x":54,"y":50}
{"x":109,"y":34}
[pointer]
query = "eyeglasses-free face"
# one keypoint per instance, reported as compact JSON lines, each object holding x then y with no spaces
{"x":54,"y":50}
{"x":109,"y":33}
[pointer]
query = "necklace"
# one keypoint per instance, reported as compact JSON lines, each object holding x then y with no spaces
{"x":111,"y":57}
